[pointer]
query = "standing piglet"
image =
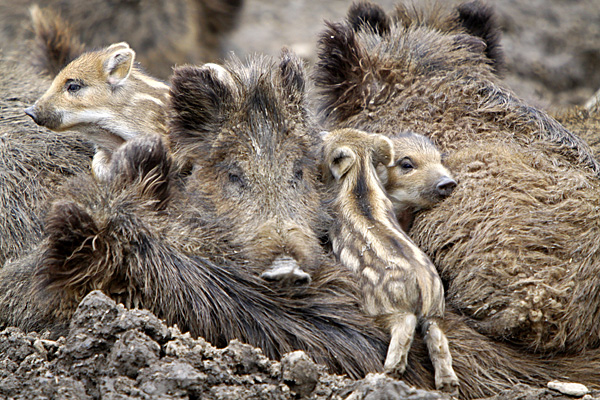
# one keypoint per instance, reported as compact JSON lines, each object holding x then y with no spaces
{"x":399,"y":283}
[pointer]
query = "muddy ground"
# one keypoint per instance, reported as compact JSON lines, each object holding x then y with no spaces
{"x":553,"y":55}
{"x":114,"y":353}
{"x":552,"y":46}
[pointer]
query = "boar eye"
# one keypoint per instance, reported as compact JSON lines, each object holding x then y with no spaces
{"x":298,"y":174}
{"x":73,"y":86}
{"x":406,"y":164}
{"x":235,"y":178}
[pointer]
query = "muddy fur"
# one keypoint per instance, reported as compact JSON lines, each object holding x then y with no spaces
{"x":582,"y":121}
{"x":504,"y":240}
{"x":151,"y":239}
{"x":33,"y":160}
{"x":163,"y":33}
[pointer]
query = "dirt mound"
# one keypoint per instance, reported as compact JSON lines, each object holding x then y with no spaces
{"x":114,"y":353}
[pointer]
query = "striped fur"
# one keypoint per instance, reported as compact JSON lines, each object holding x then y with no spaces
{"x":399,"y":283}
{"x":103,"y":95}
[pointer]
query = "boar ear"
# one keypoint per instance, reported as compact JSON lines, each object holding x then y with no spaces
{"x":71,"y":247}
{"x":365,"y":14}
{"x":342,"y":159}
{"x":339,"y":72}
{"x":292,"y":74}
{"x":199,"y":96}
{"x":480,"y":20}
{"x":383,"y":150}
{"x":144,"y":161}
{"x":119,"y":63}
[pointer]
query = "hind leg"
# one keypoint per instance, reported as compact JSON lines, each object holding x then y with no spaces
{"x":439,"y":352}
{"x":402,"y":329}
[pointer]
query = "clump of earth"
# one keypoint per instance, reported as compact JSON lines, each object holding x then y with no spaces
{"x":114,"y":353}
{"x":553,"y":60}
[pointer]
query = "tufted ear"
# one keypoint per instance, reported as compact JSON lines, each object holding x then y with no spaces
{"x":200,"y":97}
{"x":292,"y":75}
{"x":144,"y":161}
{"x":383,"y":150}
{"x":340,"y":71}
{"x":67,"y":263}
{"x":480,"y":20}
{"x":366,"y":14}
{"x":118,"y":63}
{"x":341,"y":160}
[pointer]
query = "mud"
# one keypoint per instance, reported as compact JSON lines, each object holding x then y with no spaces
{"x":552,"y":49}
{"x":114,"y":353}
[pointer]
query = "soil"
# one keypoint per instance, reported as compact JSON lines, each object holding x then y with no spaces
{"x":115,"y":353}
{"x":553,"y":57}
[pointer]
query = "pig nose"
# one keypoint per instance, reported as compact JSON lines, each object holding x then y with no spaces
{"x":287,"y":272}
{"x":445,"y":186}
{"x":31,"y":112}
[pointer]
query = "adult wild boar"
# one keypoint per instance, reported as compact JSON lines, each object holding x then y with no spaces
{"x":517,"y":243}
{"x":504,"y":241}
{"x":191,"y":248}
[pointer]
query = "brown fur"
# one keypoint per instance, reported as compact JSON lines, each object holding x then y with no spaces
{"x":33,"y":161}
{"x":56,"y":44}
{"x":256,"y":148}
{"x":583,"y":122}
{"x":189,"y":250}
{"x":399,"y":283}
{"x":103,"y":95}
{"x":503,"y":241}
{"x":417,"y":180}
{"x":163,"y":33}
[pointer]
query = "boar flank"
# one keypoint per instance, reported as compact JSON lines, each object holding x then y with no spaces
{"x":503,"y":241}
{"x":181,"y":247}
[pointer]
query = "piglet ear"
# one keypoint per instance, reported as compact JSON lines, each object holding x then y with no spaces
{"x":199,"y":98}
{"x":118,"y":63}
{"x":383,"y":150}
{"x":340,"y":161}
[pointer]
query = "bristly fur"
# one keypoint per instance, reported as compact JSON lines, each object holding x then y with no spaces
{"x":342,"y":71}
{"x":357,"y":72}
{"x":480,"y":20}
{"x":55,"y":42}
{"x":364,"y":14}
{"x":34,"y":161}
{"x":115,"y":240}
{"x":251,"y":198}
{"x":197,"y":102}
{"x":527,"y":187}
